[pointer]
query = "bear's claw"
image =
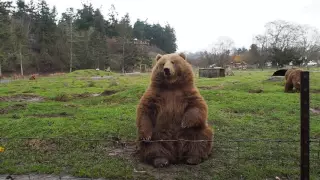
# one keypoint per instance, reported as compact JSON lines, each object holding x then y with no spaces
{"x":183,"y":125}
{"x":193,"y":161}
{"x":146,"y":138}
{"x":160,"y":162}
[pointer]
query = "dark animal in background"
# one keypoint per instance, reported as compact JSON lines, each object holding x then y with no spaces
{"x":280,"y":72}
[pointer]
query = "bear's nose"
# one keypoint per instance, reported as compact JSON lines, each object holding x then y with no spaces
{"x":166,"y":71}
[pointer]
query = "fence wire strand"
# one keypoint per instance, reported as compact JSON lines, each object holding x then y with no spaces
{"x":90,"y":157}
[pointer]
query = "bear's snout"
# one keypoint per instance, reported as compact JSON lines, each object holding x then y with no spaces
{"x":166,"y":71}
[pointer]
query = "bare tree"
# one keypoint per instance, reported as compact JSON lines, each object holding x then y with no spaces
{"x":221,"y":50}
{"x":309,"y":42}
{"x":285,"y":42}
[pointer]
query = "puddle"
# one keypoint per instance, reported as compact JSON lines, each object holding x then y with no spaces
{"x":101,"y":77}
{"x":275,"y":78}
{"x":5,"y":81}
{"x":315,"y":110}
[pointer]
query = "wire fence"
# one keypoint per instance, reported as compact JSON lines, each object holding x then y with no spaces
{"x":116,"y":159}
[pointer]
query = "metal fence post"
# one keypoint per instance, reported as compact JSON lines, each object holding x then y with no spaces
{"x":305,"y":126}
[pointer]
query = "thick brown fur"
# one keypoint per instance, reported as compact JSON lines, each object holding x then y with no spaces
{"x":293,"y":80}
{"x":171,"y":109}
{"x":288,"y":72}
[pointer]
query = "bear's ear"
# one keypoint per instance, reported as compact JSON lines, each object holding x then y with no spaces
{"x":183,"y":55}
{"x":158,"y":57}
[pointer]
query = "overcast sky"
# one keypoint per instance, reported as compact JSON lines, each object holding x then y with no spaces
{"x":198,"y":23}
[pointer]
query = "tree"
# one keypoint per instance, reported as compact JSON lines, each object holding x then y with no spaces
{"x":284,"y":42}
{"x":125,"y":32}
{"x":112,"y":22}
{"x":221,"y":50}
{"x":33,"y":40}
{"x":4,"y":32}
{"x":253,"y":56}
{"x":170,"y":45}
{"x":138,"y":30}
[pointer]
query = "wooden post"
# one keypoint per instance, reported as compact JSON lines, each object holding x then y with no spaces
{"x":305,"y":126}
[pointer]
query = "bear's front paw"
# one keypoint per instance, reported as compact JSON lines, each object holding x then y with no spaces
{"x":160,"y":162}
{"x":185,"y":124}
{"x":193,"y":161}
{"x":146,"y":136}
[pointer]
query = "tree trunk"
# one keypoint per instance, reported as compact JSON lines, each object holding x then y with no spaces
{"x":0,"y":69}
{"x":123,"y":57}
{"x":20,"y":54}
{"x":71,"y":41}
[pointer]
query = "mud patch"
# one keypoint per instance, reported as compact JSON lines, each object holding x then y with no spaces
{"x":275,"y":78}
{"x":43,"y":176}
{"x":41,"y":145}
{"x":22,"y":98}
{"x":68,"y":97}
{"x":62,"y":114}
{"x":101,"y":77}
{"x":14,"y":107}
{"x":315,"y":110}
{"x":83,"y":95}
{"x":108,"y":92}
{"x":255,"y":91}
{"x":316,"y":91}
{"x":211,"y":87}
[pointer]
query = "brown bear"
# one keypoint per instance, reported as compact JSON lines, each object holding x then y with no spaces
{"x":172,"y":110}
{"x":288,"y":72}
{"x":293,"y":80}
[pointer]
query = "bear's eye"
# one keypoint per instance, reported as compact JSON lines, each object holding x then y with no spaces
{"x":172,"y":62}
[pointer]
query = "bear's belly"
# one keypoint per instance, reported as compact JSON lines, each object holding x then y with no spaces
{"x":170,"y":114}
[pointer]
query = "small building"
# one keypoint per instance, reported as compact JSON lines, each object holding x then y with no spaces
{"x":238,"y":62}
{"x":212,"y":72}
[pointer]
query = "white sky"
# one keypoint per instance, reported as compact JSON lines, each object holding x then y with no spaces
{"x":198,"y":23}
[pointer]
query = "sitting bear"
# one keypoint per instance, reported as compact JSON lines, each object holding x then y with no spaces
{"x":293,"y":80}
{"x":173,"y":109}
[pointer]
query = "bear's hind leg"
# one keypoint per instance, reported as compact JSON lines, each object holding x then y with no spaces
{"x":159,"y":154}
{"x":194,"y":152}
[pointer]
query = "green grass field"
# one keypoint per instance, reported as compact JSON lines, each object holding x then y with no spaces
{"x":64,"y":125}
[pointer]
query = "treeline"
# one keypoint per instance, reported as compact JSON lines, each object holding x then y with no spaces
{"x":281,"y":44}
{"x":33,"y":40}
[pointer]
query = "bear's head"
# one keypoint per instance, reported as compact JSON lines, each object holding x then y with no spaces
{"x":172,"y":69}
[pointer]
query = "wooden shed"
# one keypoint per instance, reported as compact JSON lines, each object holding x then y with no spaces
{"x":211,"y":72}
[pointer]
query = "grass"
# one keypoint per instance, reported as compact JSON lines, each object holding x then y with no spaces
{"x":83,"y":133}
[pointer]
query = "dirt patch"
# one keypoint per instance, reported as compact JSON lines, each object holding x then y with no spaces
{"x":41,"y":145}
{"x":62,"y":114}
{"x":108,"y":92}
{"x":83,"y":95}
{"x":13,"y":108}
{"x":43,"y":176}
{"x":68,"y":97}
{"x":22,"y":98}
{"x":315,"y":110}
{"x":255,"y":91}
{"x":211,"y":87}
{"x":275,"y":78}
{"x":316,"y":91}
